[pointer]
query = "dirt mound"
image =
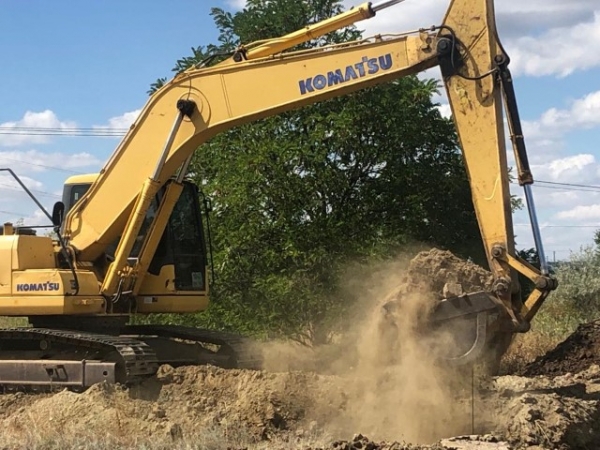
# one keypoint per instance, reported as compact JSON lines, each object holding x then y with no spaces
{"x":211,"y":408}
{"x":576,"y":353}
{"x":557,"y":413}
{"x":244,"y":406}
{"x":360,"y":442}
{"x":434,"y":269}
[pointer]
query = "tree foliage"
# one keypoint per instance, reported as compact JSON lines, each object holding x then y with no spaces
{"x":299,"y":195}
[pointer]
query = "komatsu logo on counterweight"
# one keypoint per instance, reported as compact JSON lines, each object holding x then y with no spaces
{"x":29,"y":287}
{"x":367,"y":66}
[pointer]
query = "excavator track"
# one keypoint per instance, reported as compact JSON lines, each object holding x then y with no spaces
{"x":235,"y":351}
{"x":75,"y":359}
{"x":44,"y":358}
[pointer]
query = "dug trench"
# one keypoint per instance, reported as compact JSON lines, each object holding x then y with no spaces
{"x":324,"y":398}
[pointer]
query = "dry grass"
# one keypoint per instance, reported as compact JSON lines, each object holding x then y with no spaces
{"x":525,"y":348}
{"x":216,"y":438}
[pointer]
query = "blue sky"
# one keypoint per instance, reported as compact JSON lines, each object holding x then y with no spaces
{"x":89,"y":64}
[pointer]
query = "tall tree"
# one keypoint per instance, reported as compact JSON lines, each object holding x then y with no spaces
{"x":299,"y":195}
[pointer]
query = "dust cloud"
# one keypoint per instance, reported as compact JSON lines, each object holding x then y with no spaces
{"x":387,"y":364}
{"x":380,"y":377}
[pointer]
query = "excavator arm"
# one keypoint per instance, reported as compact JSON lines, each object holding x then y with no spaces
{"x":262,"y":80}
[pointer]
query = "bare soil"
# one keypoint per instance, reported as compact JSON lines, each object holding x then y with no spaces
{"x":575,"y":354}
{"x":436,"y":268}
{"x":216,"y":408}
{"x":553,"y":404}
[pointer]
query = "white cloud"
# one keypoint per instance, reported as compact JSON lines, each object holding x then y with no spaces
{"x":445,"y":110}
{"x":37,"y":218}
{"x":581,"y":168}
{"x":542,"y":37}
{"x":569,"y":213}
{"x":558,"y":51}
{"x":545,"y":136}
{"x":561,"y":198}
{"x":121,"y":122}
{"x":407,"y":16}
{"x":8,"y":182}
{"x":236,"y":4}
{"x":27,"y":216}
{"x":36,"y":161}
{"x":515,"y":16}
{"x":31,"y":127}
{"x":14,"y":200}
{"x":588,"y":212}
{"x":553,"y":200}
{"x":16,"y":205}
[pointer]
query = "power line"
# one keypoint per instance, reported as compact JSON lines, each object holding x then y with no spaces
{"x":564,"y":186}
{"x":43,"y":193}
{"x":106,"y":133}
{"x":40,"y":165}
{"x":63,"y":131}
{"x":557,"y":226}
{"x":19,"y":128}
{"x":13,"y":213}
{"x":568,"y":189}
{"x":569,"y":184}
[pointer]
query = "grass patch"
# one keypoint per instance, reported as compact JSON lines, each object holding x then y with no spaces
{"x":524,"y":349}
{"x":575,"y":302}
{"x":554,"y":323}
{"x":13,"y":322}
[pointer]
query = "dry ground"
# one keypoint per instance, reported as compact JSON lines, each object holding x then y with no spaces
{"x":312,"y":399}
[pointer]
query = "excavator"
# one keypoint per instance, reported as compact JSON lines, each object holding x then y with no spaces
{"x":130,"y":240}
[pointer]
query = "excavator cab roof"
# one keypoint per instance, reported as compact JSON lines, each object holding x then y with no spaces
{"x":82,"y":178}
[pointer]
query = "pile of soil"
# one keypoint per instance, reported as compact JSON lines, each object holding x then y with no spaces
{"x":360,"y":442}
{"x":435,"y":268}
{"x":555,"y":405}
{"x":251,"y":406}
{"x":555,"y":413}
{"x":575,"y":354}
{"x":208,"y":407}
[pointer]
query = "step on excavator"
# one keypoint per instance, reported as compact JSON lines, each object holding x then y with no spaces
{"x":130,"y":240}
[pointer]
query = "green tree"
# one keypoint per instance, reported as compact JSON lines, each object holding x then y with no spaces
{"x":298,"y":196}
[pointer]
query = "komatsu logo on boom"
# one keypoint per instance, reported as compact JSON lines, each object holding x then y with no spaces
{"x":29,"y":287}
{"x":367,"y":66}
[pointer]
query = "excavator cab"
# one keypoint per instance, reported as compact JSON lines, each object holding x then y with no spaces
{"x":182,"y":247}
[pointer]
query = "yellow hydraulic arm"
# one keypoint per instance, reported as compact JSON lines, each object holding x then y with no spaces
{"x":263,"y":81}
{"x":272,"y":46}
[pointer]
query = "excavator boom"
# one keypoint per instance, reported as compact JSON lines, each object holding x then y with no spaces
{"x":129,"y":239}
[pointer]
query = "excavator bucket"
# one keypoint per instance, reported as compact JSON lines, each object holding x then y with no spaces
{"x":473,"y":320}
{"x":458,"y":331}
{"x":463,"y":329}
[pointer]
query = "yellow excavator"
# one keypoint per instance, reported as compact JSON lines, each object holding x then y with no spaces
{"x":130,"y":239}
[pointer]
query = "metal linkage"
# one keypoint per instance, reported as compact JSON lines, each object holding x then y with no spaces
{"x":385,"y":4}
